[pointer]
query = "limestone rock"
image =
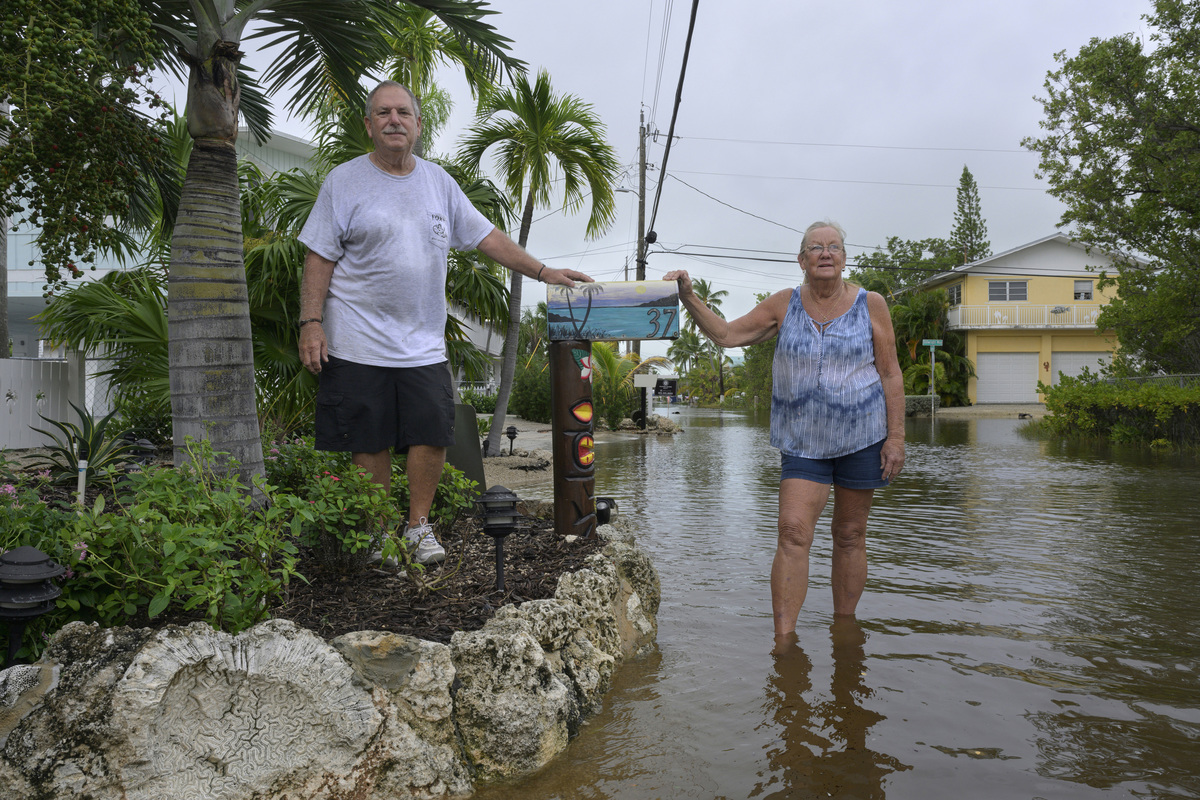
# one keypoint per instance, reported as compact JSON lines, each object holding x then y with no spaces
{"x":512,"y":709}
{"x":414,"y":678}
{"x":276,"y":712}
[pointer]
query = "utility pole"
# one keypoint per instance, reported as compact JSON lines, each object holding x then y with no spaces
{"x":640,"y":273}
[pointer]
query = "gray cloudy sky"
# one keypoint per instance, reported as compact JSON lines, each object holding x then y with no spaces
{"x":862,"y":111}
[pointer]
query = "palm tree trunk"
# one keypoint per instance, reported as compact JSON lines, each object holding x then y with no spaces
{"x":208,"y":309}
{"x":508,"y":368}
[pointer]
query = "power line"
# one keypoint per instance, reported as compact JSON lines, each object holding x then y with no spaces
{"x":862,"y":146}
{"x":687,"y":49}
{"x":735,"y":208}
{"x":843,"y":180}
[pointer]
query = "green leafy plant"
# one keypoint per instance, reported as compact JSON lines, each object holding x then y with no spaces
{"x":531,"y":390}
{"x":482,"y":403}
{"x":348,"y":516}
{"x":88,"y":441}
{"x":188,"y":538}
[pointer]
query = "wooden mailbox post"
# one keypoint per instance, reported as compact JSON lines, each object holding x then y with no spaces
{"x":602,"y":311}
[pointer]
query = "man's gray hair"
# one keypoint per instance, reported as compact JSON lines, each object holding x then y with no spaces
{"x":823,"y":223}
{"x":383,"y":84}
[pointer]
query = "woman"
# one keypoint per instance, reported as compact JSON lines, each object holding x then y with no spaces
{"x":837,"y":413}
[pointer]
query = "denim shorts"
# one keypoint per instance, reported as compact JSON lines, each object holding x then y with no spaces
{"x":859,"y":470}
{"x":368,"y":409}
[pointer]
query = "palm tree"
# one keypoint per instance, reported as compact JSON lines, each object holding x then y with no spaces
{"x":334,"y":42}
{"x":537,"y":133}
{"x":712,"y":298}
{"x":684,"y":351}
{"x":613,"y":390}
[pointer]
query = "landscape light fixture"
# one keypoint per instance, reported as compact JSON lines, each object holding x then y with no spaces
{"x":27,"y":590}
{"x":606,"y":509}
{"x":498,"y":508}
{"x":511,"y":433}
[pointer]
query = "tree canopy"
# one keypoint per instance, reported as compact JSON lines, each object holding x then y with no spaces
{"x":77,"y":150}
{"x":1122,"y":151}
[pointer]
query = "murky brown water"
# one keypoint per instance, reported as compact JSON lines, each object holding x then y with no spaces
{"x":1031,"y":629}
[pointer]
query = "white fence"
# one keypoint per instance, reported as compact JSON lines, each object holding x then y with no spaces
{"x":32,"y":386}
{"x":1009,"y":315}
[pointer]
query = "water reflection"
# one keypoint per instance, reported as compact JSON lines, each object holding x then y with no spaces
{"x":822,"y":749}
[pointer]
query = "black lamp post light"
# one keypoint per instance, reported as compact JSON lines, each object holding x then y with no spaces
{"x":511,"y":433}
{"x":606,"y":509}
{"x":27,"y":590}
{"x":498,"y":508}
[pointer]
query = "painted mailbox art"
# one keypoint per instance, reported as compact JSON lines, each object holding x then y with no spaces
{"x":613,"y":310}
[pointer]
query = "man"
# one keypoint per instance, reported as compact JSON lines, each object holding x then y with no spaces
{"x":373,"y":304}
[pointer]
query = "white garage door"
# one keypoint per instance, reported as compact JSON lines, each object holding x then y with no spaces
{"x":1006,"y":378}
{"x":1072,"y":364}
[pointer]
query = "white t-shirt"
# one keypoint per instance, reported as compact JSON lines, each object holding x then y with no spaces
{"x":389,"y":236}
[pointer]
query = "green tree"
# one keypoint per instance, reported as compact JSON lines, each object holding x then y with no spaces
{"x":1122,"y":151}
{"x":533,"y":330}
{"x":969,"y":237}
{"x":686,"y":350}
{"x":76,"y":154}
{"x":615,"y":396}
{"x":535,"y":134}
{"x":712,"y":298}
{"x":323,"y":45}
{"x":903,"y":263}
{"x":757,"y":370}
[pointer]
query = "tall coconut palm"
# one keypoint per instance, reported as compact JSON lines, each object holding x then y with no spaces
{"x":332,"y":42}
{"x":537,"y":134}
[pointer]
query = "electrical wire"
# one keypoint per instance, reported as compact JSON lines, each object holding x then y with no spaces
{"x":687,"y":49}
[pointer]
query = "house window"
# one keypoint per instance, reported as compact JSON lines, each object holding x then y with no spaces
{"x":1001,"y":291}
{"x":955,"y":293}
{"x":1083,"y":290}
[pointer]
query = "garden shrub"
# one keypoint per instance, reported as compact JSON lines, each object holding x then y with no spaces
{"x":1123,"y":411}
{"x":530,"y":397}
{"x":482,"y":403}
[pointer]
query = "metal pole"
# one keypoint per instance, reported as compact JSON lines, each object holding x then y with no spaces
{"x":932,"y":394}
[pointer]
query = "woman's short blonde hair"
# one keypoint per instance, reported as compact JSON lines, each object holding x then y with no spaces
{"x":824,"y":223}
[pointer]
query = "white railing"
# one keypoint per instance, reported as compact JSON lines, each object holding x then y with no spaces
{"x":1022,"y":315}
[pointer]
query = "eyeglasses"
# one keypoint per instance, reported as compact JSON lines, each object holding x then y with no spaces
{"x":817,"y":249}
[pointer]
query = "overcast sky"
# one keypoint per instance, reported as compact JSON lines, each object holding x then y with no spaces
{"x":860,"y":111}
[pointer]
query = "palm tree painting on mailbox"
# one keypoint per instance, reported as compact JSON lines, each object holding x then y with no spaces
{"x":613,"y":310}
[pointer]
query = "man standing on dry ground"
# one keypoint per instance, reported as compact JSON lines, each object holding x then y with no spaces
{"x":373,"y":304}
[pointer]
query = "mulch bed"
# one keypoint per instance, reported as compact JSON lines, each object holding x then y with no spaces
{"x":463,"y":595}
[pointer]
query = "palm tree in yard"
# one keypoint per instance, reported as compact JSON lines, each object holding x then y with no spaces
{"x":536,"y":134}
{"x":320,"y":44}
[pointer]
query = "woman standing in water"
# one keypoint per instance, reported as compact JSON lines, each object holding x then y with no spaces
{"x":837,"y":413}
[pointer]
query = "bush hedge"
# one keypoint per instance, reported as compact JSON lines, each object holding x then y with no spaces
{"x":1123,"y":411}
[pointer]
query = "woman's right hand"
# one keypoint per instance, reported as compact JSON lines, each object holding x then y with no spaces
{"x":681,"y":277}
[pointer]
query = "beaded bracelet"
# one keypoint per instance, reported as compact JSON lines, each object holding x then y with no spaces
{"x":304,"y":322}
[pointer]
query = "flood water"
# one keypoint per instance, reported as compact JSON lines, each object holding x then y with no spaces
{"x":1030,"y":628}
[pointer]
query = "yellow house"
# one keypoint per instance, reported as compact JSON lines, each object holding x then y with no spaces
{"x":1029,"y":314}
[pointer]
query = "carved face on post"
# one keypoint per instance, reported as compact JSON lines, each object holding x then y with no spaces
{"x":574,"y":442}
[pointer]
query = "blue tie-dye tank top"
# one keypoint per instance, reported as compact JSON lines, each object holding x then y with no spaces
{"x":827,"y":398}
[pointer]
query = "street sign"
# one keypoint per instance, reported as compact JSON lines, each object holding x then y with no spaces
{"x":613,"y":310}
{"x":931,"y":342}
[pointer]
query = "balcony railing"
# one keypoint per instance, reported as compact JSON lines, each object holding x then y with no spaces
{"x":1022,"y":315}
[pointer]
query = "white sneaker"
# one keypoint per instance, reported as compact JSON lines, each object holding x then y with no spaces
{"x":423,"y":545}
